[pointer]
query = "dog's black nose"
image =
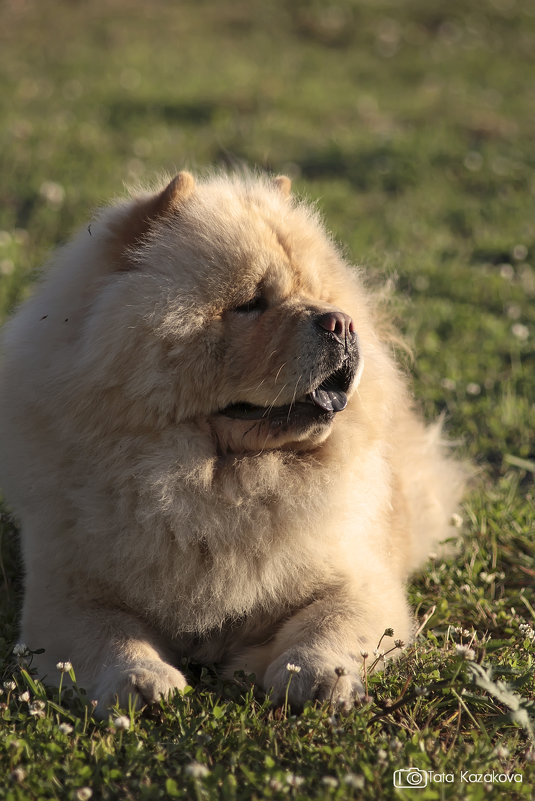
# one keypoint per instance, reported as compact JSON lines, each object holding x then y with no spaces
{"x":339,"y":324}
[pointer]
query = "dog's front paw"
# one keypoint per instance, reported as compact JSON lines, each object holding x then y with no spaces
{"x":301,"y":674}
{"x":144,"y":682}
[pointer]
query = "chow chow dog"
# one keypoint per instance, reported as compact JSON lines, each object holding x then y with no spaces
{"x":211,"y":451}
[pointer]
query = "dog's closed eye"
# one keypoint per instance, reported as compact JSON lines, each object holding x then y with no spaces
{"x":257,"y":304}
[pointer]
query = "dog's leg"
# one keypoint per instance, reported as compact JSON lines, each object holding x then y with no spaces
{"x":318,"y":652}
{"x":115,"y":656}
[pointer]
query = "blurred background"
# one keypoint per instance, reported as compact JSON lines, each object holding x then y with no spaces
{"x":411,"y":122}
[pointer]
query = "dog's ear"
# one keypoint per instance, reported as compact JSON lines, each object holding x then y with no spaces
{"x":175,"y":193}
{"x":130,"y":229}
{"x":283,"y":184}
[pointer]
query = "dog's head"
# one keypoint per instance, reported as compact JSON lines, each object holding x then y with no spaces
{"x":231,"y":307}
{"x":293,"y":363}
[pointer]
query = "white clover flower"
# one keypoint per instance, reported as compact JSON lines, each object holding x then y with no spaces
{"x":520,"y":331}
{"x":196,"y":770}
{"x":37,"y":709}
{"x":9,"y":686}
{"x":473,"y":389}
{"x":520,"y":252}
{"x":293,"y":780}
{"x":65,"y":728}
{"x":354,"y":780}
{"x":275,"y":784}
{"x":340,"y":671}
{"x":52,"y":192}
{"x":293,"y":668}
{"x":364,"y":654}
{"x":473,"y":161}
{"x":527,"y":631}
{"x":84,"y":793}
{"x":20,"y":649}
{"x":122,"y":722}
{"x":18,"y":775}
{"x":64,"y":667}
{"x":456,"y":520}
{"x":25,"y":696}
{"x":329,"y":781}
{"x":466,"y":652}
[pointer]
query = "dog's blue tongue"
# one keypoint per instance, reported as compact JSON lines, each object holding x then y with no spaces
{"x":332,"y":400}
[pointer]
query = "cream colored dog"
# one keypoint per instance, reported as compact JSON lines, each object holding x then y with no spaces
{"x":211,"y":452}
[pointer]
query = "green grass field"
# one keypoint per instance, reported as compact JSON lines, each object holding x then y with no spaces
{"x":412,"y":124}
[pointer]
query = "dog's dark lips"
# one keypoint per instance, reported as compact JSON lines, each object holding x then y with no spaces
{"x":320,"y":404}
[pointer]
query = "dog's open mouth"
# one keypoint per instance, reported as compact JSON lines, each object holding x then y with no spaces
{"x":321,"y":403}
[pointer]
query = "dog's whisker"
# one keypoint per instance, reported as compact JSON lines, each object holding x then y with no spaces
{"x":257,"y":387}
{"x":279,"y":371}
{"x":292,"y":402}
{"x":274,"y":401}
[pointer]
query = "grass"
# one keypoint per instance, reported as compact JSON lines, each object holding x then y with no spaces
{"x":412,"y":124}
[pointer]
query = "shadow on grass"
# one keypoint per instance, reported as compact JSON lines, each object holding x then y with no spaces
{"x":121,"y":113}
{"x":380,"y":167}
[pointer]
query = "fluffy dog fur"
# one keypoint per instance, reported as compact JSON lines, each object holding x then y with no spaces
{"x":182,"y":485}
